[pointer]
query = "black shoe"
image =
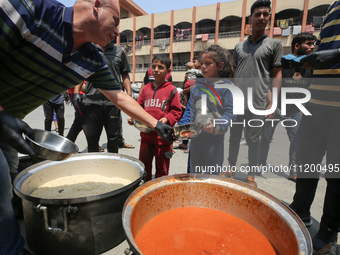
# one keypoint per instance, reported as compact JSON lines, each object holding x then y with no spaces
{"x":324,"y":236}
{"x":329,"y":249}
{"x":307,"y":221}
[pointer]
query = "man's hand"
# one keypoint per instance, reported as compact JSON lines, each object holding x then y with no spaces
{"x":209,"y":127}
{"x":322,"y":59}
{"x":164,"y":131}
{"x":11,"y":130}
{"x":77,"y":99}
{"x":270,"y":116}
{"x":130,"y":121}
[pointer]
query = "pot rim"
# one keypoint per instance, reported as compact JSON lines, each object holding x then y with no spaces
{"x":298,"y":228}
{"x":22,"y":176}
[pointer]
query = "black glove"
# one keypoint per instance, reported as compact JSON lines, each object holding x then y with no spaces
{"x":11,"y":130}
{"x":164,"y":131}
{"x":77,"y":99}
{"x":322,"y":59}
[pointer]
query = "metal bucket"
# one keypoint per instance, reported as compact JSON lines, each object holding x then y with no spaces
{"x":85,"y":225}
{"x":277,"y":222}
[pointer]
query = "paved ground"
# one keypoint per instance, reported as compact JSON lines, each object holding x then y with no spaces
{"x":275,"y":184}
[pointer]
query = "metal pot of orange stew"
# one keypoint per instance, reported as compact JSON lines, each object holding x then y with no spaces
{"x":208,"y":214}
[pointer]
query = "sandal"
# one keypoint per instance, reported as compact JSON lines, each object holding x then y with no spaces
{"x":186,"y":151}
{"x":127,"y":146}
{"x":228,"y":174}
{"x":251,"y":181}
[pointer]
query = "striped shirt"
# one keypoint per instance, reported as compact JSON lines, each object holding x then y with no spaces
{"x":325,"y":86}
{"x":36,"y":58}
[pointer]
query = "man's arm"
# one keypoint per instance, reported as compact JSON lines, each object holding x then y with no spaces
{"x":127,"y":83}
{"x":128,"y":105}
{"x":77,"y":99}
{"x":277,"y":81}
{"x":321,"y":59}
{"x":77,"y":88}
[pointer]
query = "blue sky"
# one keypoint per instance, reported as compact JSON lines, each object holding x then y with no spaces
{"x":154,"y":6}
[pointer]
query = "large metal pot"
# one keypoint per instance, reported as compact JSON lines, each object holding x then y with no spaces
{"x":86,"y":225}
{"x":272,"y":218}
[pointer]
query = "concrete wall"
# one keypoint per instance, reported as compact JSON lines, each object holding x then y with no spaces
{"x":233,"y":8}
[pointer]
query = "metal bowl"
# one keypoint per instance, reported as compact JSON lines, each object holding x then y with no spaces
{"x":142,"y":127}
{"x":187,"y":131}
{"x":51,"y":146}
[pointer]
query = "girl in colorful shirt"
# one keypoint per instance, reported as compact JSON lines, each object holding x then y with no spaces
{"x":211,"y":105}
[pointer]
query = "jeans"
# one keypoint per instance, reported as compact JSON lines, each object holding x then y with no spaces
{"x":319,"y":135}
{"x":267,"y":134}
{"x":252,"y":137}
{"x":11,"y":241}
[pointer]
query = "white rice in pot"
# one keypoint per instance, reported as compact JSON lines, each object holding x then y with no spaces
{"x":80,"y":185}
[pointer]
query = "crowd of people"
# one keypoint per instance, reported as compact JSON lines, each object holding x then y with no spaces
{"x":34,"y":73}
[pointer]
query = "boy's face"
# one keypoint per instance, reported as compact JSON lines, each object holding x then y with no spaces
{"x":259,"y":19}
{"x":159,"y":71}
{"x":197,"y":64}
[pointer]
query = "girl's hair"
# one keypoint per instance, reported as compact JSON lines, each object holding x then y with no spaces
{"x":219,"y":55}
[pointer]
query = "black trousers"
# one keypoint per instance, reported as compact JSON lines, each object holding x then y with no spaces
{"x":319,"y":136}
{"x":48,"y":112}
{"x":78,"y":123}
{"x":121,"y":138}
{"x":98,"y":116}
{"x":253,"y":135}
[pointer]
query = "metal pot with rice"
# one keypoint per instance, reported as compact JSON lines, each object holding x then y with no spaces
{"x":77,"y":223}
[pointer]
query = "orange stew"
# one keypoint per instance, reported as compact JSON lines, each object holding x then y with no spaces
{"x":195,"y":230}
{"x":188,"y":133}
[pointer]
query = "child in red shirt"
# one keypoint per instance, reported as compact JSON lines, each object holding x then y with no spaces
{"x":153,"y":98}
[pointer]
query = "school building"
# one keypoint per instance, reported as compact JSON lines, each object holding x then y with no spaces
{"x":183,"y":33}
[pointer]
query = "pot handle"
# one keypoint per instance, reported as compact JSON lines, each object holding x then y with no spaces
{"x":66,"y":210}
{"x":127,"y":251}
{"x":143,"y":180}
